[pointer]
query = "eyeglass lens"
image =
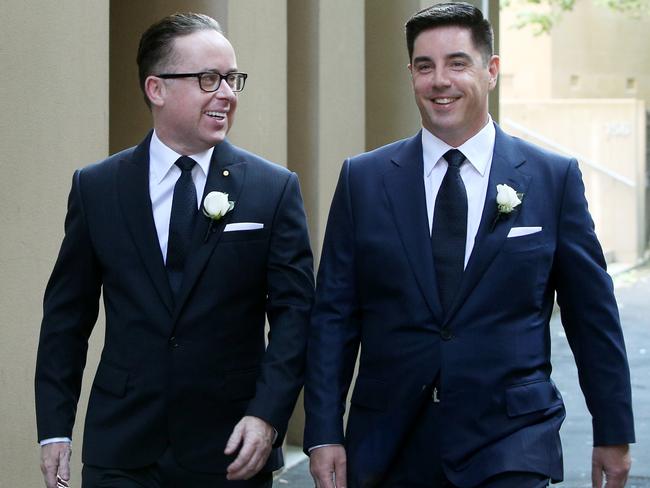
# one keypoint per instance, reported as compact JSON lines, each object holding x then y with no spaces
{"x":210,"y":81}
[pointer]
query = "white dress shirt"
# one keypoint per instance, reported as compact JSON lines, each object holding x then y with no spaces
{"x":475,"y":173}
{"x":163,"y":174}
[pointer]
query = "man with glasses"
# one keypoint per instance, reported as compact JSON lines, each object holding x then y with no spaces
{"x":193,"y":242}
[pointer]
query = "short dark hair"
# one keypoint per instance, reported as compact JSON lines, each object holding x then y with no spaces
{"x":458,"y":14}
{"x":155,"y":51}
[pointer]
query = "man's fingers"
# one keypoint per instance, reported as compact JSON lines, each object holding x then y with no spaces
{"x":50,"y":477}
{"x":242,"y":459}
{"x":250,"y":460}
{"x":64,"y":465}
{"x":328,"y":466}
{"x":610,"y":464}
{"x":55,"y":460}
{"x":596,"y":476}
{"x":340,"y":474}
{"x":252,"y":436}
{"x":234,"y":440}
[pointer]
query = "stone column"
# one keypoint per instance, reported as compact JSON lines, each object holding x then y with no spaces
{"x":54,"y":119}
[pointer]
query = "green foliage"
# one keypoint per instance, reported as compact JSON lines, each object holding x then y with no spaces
{"x":542,"y":15}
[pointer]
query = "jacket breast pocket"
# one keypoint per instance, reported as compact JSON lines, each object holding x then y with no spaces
{"x":244,"y":235}
{"x":111,"y":379}
{"x":526,"y":243}
{"x":370,"y":393}
{"x":531,"y":397}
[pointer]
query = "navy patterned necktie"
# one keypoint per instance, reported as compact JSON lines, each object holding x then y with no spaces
{"x":449,"y":230}
{"x":181,"y":222}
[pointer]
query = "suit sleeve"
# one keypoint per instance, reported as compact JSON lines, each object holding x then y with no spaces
{"x":590,"y":318}
{"x":335,"y":328}
{"x":290,"y":283}
{"x":70,"y":309}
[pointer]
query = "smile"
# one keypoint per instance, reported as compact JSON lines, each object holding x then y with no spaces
{"x":216,"y":115}
{"x":444,"y":101}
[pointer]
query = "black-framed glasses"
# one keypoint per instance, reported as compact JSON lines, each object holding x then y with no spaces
{"x":210,"y":81}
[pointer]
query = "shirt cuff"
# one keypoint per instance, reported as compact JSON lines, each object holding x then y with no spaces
{"x":52,"y":440}
{"x":323,"y":445}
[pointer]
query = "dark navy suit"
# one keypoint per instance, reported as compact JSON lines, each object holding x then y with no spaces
{"x":490,"y":353}
{"x":176,"y":370}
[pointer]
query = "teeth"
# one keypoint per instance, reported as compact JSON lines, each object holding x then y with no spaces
{"x":215,"y":114}
{"x":443,"y":101}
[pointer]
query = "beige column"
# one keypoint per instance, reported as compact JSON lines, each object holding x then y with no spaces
{"x":258,"y":31}
{"x":326,"y":98}
{"x":390,"y":107}
{"x":326,"y":106}
{"x":54,"y":119}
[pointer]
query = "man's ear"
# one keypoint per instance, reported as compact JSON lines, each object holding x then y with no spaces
{"x":493,"y":68}
{"x":155,"y":90}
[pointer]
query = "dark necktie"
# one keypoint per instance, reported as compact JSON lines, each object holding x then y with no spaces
{"x":449,"y":230}
{"x":181,"y":222}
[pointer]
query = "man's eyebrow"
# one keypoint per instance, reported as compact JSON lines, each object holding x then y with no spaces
{"x":421,"y":59}
{"x":459,"y":54}
{"x":213,"y":70}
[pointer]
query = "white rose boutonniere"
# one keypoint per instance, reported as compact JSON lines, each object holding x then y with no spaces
{"x":215,"y":206}
{"x":507,"y":202}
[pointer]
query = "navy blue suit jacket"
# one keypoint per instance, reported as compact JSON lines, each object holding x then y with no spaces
{"x":491,"y":351}
{"x":176,"y":370}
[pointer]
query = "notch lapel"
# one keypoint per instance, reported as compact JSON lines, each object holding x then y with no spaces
{"x":133,"y":190}
{"x":505,"y":169}
{"x":224,"y":158}
{"x":404,"y":184}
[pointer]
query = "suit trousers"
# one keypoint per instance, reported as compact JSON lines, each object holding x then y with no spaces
{"x":165,"y":473}
{"x":419,"y":465}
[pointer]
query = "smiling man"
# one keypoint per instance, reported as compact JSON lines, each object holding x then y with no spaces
{"x":187,"y":393}
{"x":442,"y":258}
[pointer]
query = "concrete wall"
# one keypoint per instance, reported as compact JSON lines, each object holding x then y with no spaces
{"x":54,"y":119}
{"x":598,"y":53}
{"x":608,"y":137}
{"x":592,"y":52}
{"x":525,"y":61}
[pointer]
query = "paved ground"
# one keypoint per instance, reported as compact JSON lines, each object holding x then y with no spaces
{"x":633,"y":294}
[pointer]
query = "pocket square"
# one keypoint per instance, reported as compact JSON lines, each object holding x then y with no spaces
{"x":523,"y":231}
{"x":243,"y":226}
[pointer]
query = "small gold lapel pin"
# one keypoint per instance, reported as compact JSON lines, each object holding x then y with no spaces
{"x":226,"y":172}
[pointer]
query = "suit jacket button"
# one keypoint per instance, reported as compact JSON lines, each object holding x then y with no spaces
{"x":172,"y":341}
{"x":445,"y":333}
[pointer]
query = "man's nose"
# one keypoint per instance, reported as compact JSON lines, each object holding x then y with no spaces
{"x":224,"y":91}
{"x":440,"y":78}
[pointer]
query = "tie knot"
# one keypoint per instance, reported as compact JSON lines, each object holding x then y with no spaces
{"x":185,"y":163}
{"x":454,"y":158}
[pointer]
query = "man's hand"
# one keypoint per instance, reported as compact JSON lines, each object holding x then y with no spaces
{"x":327,"y":466}
{"x":255,"y":437}
{"x":55,"y":461}
{"x":614,"y":461}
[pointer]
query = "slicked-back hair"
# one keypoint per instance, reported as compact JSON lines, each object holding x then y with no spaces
{"x":457,"y":14}
{"x":156,"y":49}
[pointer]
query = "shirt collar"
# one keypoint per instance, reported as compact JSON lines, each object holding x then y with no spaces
{"x":478,"y":149}
{"x":162,"y":158}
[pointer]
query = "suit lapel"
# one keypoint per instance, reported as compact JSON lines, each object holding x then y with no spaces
{"x":505,"y":169}
{"x":133,"y":189}
{"x":404,"y":184}
{"x":227,"y":174}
